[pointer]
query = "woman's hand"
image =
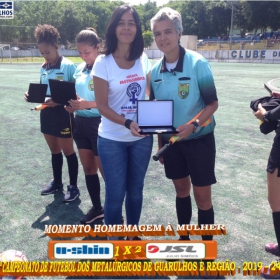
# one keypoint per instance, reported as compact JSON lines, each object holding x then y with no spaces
{"x":134,"y":128}
{"x":50,"y":103}
{"x":79,"y":104}
{"x":69,"y":109}
{"x":184,"y":131}
{"x":261,"y":111}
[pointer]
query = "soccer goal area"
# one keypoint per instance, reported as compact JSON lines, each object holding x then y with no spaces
{"x":5,"y":52}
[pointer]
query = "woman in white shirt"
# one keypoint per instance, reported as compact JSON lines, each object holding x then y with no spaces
{"x":120,"y":78}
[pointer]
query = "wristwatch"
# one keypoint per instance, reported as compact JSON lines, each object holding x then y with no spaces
{"x":265,"y":117}
{"x":127,"y":123}
{"x":197,"y":127}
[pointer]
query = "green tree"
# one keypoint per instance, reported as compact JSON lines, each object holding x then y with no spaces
{"x":102,"y":11}
{"x":148,"y":38}
{"x":219,"y":17}
{"x":69,"y":25}
{"x":146,"y":12}
{"x":201,"y":18}
{"x":261,"y":14}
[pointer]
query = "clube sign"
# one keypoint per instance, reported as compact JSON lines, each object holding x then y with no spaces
{"x":248,"y":54}
{"x":254,"y":54}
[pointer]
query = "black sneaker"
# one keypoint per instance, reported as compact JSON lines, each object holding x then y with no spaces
{"x":134,"y":238}
{"x":51,"y":188}
{"x":72,"y":193}
{"x":184,"y":237}
{"x":272,"y":249}
{"x":92,"y":215}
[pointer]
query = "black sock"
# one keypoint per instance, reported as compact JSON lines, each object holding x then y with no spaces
{"x":57,"y":162}
{"x":72,"y":162}
{"x":206,"y":217}
{"x":276,"y":222}
{"x":93,"y":186}
{"x":184,"y":212}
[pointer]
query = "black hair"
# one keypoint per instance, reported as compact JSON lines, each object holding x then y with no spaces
{"x":46,"y":34}
{"x":137,"y":46}
{"x":88,"y":36}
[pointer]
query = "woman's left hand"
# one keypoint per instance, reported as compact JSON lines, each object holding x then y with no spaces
{"x":79,"y":104}
{"x":134,"y":128}
{"x":261,"y":111}
{"x":184,"y":131}
{"x":50,"y":103}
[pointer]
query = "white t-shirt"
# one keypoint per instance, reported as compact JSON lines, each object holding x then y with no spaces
{"x":126,"y":86}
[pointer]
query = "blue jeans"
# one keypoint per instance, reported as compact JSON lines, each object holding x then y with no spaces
{"x":124,"y":165}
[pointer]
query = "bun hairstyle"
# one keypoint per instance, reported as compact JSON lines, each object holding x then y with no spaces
{"x":46,"y":34}
{"x":88,"y":36}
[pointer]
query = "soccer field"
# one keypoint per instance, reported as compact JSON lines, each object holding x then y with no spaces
{"x":239,"y":197}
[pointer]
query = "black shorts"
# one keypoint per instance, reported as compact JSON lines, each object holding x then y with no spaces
{"x":274,"y":157}
{"x":86,"y":133}
{"x":56,"y":121}
{"x":194,"y":158}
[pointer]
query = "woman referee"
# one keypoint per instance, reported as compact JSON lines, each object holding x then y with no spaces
{"x":87,"y":120}
{"x":56,"y":123}
{"x":185,"y":77}
{"x":273,"y":184}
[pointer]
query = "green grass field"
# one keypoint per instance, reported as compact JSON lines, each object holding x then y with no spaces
{"x":239,"y":197}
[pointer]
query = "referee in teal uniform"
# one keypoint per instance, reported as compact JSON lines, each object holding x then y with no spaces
{"x":185,"y":77}
{"x":56,"y":122}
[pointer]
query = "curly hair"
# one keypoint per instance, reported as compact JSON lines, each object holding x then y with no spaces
{"x":88,"y":36}
{"x":46,"y":34}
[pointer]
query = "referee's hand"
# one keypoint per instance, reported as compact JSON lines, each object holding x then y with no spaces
{"x":78,"y":104}
{"x":261,"y":111}
{"x":184,"y":131}
{"x":50,"y":103}
{"x":69,"y":109}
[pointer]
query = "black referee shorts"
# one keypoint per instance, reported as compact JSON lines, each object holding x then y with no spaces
{"x":194,"y":158}
{"x":86,"y":133}
{"x":274,"y":157}
{"x":56,"y":121}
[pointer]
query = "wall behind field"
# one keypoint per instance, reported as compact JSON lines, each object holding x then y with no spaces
{"x":248,"y":56}
{"x":34,"y":53}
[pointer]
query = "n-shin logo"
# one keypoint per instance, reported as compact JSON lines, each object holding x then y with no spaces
{"x":83,"y":250}
{"x":175,"y":250}
{"x":7,"y":10}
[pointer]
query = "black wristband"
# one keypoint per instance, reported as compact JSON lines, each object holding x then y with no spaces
{"x":127,"y":123}
{"x":196,"y":126}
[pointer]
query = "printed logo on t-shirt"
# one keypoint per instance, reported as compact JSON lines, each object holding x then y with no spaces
{"x":133,"y":91}
{"x":131,"y":79}
{"x":90,"y":85}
